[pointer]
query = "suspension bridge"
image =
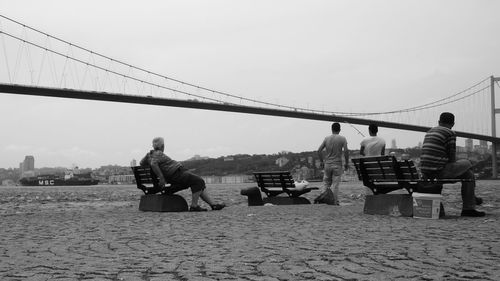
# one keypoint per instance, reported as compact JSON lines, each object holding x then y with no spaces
{"x":36,"y":63}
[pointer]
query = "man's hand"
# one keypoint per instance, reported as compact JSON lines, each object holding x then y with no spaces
{"x":161,"y":182}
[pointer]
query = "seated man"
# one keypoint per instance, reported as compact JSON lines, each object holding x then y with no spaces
{"x":438,"y":161}
{"x":173,"y":172}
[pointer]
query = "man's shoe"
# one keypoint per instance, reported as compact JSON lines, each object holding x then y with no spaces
{"x":472,"y":213}
{"x":217,"y":207}
{"x":197,"y":209}
{"x":479,"y":201}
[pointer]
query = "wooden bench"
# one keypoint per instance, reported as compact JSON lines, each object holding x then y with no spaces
{"x":146,"y":180}
{"x":274,"y":184}
{"x":156,"y":198}
{"x":384,"y":174}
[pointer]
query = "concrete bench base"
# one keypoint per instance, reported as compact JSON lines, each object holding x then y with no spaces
{"x":282,"y":200}
{"x":392,"y":204}
{"x":389,"y":204}
{"x":255,"y":198}
{"x":163,"y":203}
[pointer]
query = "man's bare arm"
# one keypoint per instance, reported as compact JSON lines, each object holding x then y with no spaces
{"x":159,"y":174}
{"x":346,"y":156}
{"x":362,"y":150}
{"x":320,"y":152}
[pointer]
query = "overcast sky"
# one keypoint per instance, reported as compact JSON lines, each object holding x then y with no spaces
{"x":332,"y":55}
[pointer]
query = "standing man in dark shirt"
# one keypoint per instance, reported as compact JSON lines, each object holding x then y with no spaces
{"x":438,"y":160}
{"x":171,"y":171}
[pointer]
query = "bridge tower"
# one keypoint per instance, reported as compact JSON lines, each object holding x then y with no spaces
{"x":494,"y":111}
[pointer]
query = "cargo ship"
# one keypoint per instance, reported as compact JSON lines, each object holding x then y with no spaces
{"x":54,"y":180}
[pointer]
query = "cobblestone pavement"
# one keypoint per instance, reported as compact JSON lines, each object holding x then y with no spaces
{"x":97,"y":233}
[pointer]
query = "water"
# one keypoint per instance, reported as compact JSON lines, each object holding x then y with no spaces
{"x":24,"y":199}
{"x":28,"y":199}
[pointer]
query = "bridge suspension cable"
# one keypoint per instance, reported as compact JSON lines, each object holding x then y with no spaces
{"x":444,"y":101}
{"x":143,"y":70}
{"x":447,"y":100}
{"x":86,"y":69}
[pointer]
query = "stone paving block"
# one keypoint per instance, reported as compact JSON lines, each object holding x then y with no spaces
{"x":109,"y":239}
{"x":129,"y":277}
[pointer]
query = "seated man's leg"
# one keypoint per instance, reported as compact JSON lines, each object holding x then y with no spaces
{"x":175,"y":188}
{"x":461,"y":169}
{"x":198,"y":189}
{"x":468,"y":191}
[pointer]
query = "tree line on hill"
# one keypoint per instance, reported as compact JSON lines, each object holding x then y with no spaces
{"x":247,"y":164}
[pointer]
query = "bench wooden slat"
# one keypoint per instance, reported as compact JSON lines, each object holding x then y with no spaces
{"x":375,"y":165}
{"x":379,"y":171}
{"x":272,"y":173}
{"x":275,"y":180}
{"x":392,"y":177}
{"x":283,"y":183}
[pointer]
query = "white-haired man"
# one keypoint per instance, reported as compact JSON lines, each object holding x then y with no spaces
{"x":171,"y":171}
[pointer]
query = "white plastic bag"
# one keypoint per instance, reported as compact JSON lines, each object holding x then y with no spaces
{"x":301,"y":185}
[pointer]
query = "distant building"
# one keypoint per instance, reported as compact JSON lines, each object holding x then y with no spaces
{"x":198,"y":157}
{"x":302,"y":173}
{"x":29,"y":163}
{"x":282,"y":161}
{"x":480,"y":149}
{"x":27,"y":167}
{"x":393,"y":144}
{"x":229,"y":179}
{"x":133,"y":163}
{"x":8,"y":182}
{"x":228,"y":159}
{"x":469,"y":145}
{"x":483,"y":144}
{"x":121,"y":179}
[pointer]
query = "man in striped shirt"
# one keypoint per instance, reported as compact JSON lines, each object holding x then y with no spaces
{"x":438,"y":160}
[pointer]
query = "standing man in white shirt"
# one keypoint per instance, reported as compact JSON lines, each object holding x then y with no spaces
{"x":373,"y":145}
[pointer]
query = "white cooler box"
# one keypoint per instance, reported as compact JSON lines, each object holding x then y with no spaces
{"x":426,"y":205}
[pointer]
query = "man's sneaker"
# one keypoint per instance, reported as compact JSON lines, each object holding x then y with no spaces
{"x":217,"y":207}
{"x":472,"y":213}
{"x":197,"y":209}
